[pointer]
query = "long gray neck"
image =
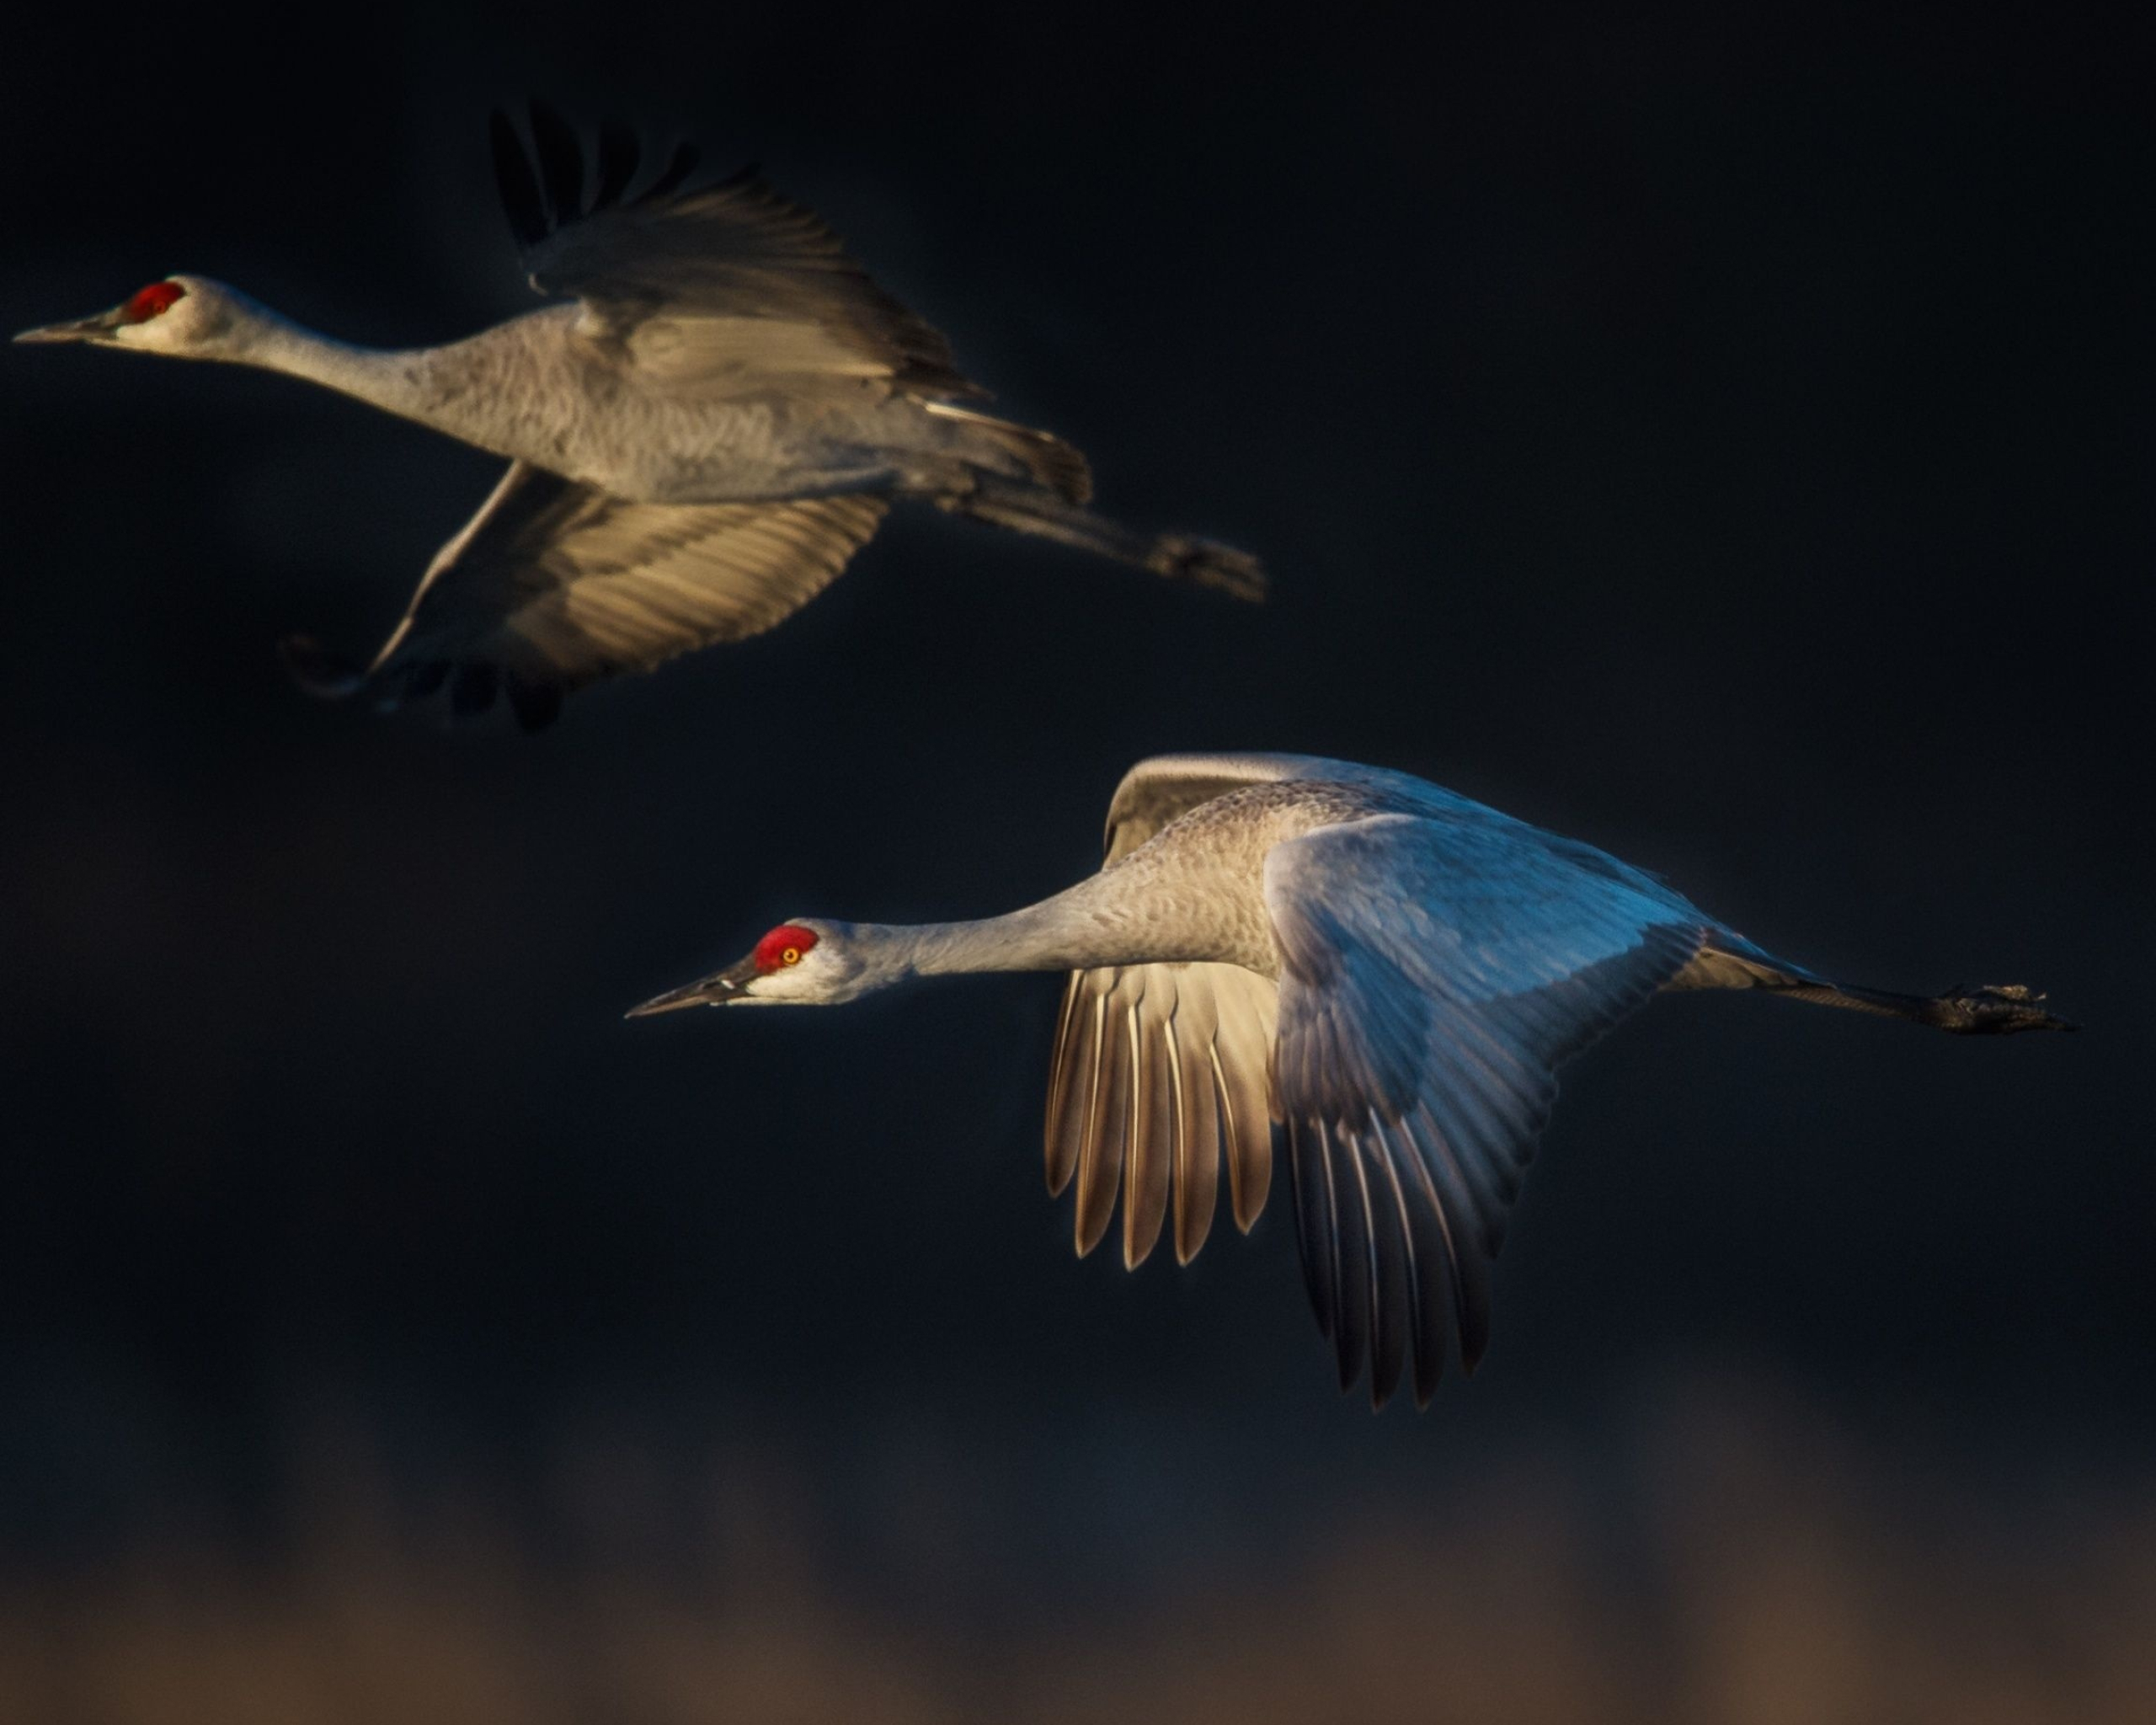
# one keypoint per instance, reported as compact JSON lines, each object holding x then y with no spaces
{"x":1096,"y":922}
{"x":397,"y":382}
{"x":494,"y":389}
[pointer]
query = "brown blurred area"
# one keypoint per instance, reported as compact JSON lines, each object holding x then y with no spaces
{"x":1736,"y":1556}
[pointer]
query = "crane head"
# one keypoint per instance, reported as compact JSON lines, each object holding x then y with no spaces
{"x":179,"y":314}
{"x":809,"y":963}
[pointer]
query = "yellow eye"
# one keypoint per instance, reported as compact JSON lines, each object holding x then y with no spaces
{"x":791,"y":955}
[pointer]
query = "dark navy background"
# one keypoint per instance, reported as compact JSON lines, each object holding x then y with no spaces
{"x":1722,"y":438}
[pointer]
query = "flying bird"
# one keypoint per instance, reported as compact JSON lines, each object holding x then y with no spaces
{"x":1385,"y":971}
{"x":701,"y":433}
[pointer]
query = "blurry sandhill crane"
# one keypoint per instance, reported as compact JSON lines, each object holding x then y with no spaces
{"x":699,"y":440}
{"x":1392,"y":972}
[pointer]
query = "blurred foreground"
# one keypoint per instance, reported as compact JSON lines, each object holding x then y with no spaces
{"x":1727,"y":1557}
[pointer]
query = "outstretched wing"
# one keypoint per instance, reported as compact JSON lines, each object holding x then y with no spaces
{"x":553,"y":584}
{"x":1435,"y":970}
{"x":723,"y":281}
{"x":1160,"y":1069}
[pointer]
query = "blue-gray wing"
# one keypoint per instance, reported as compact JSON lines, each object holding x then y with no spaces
{"x":1435,"y":971}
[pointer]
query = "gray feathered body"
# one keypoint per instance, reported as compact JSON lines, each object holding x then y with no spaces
{"x":1196,"y":887}
{"x":1192,"y":893}
{"x":536,"y":389}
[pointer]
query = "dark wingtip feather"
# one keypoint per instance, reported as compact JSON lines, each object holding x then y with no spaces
{"x":679,"y":168}
{"x":318,"y":671}
{"x":619,"y":155}
{"x":471,"y":691}
{"x":1312,"y":1225}
{"x":560,"y":162}
{"x":1351,"y":1256}
{"x":519,"y":187}
{"x":535,"y":704}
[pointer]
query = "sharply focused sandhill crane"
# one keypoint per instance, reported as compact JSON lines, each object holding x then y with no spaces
{"x":1391,"y":971}
{"x":698,"y":441}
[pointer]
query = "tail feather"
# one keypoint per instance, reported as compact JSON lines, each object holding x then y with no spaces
{"x":1177,"y":556}
{"x":1052,"y":463}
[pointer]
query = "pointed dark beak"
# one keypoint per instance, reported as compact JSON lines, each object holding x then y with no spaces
{"x":94,"y":329}
{"x":721,"y":989}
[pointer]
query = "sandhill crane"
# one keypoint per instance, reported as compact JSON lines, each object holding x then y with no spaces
{"x":1392,"y":972}
{"x":699,"y":440}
